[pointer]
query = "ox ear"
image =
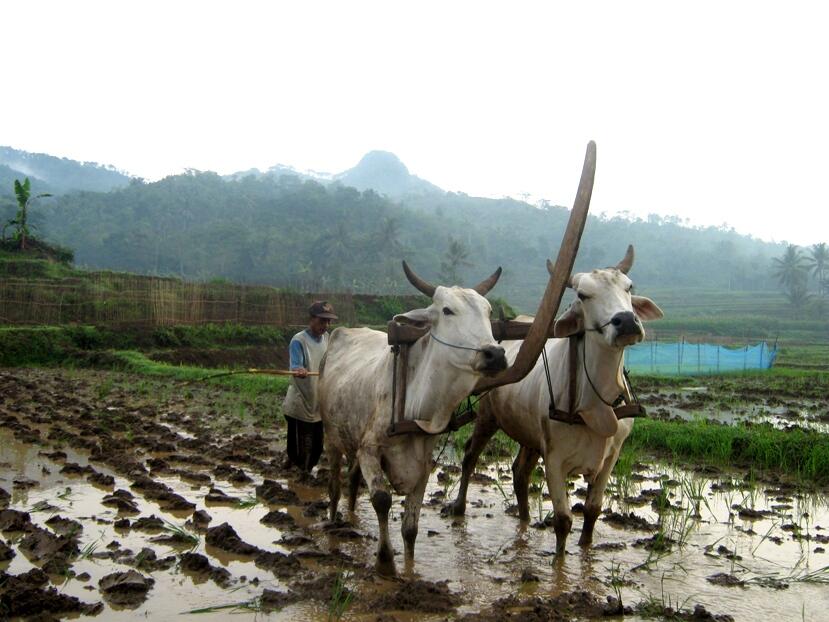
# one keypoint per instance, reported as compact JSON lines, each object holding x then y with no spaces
{"x":646,"y":308}
{"x":571,"y":323}
{"x":416,"y":317}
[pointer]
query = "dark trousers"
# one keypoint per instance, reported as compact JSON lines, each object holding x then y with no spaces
{"x":304,"y":443}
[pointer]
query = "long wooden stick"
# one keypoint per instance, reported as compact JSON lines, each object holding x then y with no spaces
{"x":252,"y":370}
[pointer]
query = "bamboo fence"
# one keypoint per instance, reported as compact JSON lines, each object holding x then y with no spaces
{"x":131,"y":300}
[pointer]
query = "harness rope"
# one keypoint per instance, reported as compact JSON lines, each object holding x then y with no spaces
{"x":453,"y":345}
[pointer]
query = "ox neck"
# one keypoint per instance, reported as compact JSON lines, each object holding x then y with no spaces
{"x":604,"y":364}
{"x":435,"y":385}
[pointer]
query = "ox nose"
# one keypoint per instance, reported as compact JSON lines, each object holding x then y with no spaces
{"x":494,"y":358}
{"x":626,"y":323}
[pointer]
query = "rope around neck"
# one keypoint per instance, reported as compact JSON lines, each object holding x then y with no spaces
{"x":453,"y":345}
{"x":584,"y":364}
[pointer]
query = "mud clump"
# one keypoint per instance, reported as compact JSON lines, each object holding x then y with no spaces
{"x":99,"y":479}
{"x":272,"y":600}
{"x":127,"y":589}
{"x":279,"y":564}
{"x":198,"y":564}
{"x":277,"y":519}
{"x":578,"y":604}
{"x":24,"y":596}
{"x":273,"y":492}
{"x":725,"y":579}
{"x":14,"y":520}
{"x":418,"y":595}
{"x":64,"y":526}
{"x":4,"y":498}
{"x":216,"y":496}
{"x":6,"y":552}
{"x":630,"y":520}
{"x":39,"y":545}
{"x":224,"y":537}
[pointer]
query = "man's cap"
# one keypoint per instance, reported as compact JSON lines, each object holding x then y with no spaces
{"x":323,"y":309}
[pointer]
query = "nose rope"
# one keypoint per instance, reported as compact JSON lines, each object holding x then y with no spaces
{"x":453,"y":345}
{"x":600,"y":328}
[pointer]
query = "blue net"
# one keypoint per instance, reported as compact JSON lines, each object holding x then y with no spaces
{"x":696,"y":358}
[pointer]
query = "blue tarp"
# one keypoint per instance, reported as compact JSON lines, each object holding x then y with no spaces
{"x":696,"y":358}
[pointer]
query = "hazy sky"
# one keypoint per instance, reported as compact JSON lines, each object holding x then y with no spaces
{"x":716,"y":112}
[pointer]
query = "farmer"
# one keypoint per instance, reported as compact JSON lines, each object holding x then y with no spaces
{"x":300,"y":406}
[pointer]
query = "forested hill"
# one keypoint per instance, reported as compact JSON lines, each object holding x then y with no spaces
{"x":57,"y":175}
{"x":292,"y":232}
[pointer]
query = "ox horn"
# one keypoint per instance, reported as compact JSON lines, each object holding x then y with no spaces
{"x":627,"y":262}
{"x":419,"y":284}
{"x":536,"y":337}
{"x":551,"y":268}
{"x":487,"y":284}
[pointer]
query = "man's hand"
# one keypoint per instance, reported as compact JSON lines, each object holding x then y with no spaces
{"x":300,"y":372}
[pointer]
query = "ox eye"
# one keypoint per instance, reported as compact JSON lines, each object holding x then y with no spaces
{"x":448,"y":311}
{"x":630,"y":289}
{"x":583,"y":296}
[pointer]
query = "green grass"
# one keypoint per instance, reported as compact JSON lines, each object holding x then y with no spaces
{"x":799,"y":453}
{"x":250,"y":384}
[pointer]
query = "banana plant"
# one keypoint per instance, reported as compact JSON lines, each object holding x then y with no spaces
{"x":23,"y":192}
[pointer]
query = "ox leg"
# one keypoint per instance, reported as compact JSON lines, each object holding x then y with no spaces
{"x":381,"y":501}
{"x":485,"y":427}
{"x":562,"y":516}
{"x":595,"y":496}
{"x":354,"y":477}
{"x":411,"y":516}
{"x":334,"y":459}
{"x":522,"y":468}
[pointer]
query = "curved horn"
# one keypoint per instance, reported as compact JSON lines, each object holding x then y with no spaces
{"x":419,"y":284}
{"x":625,"y":265}
{"x":542,"y":326}
{"x":487,"y":284}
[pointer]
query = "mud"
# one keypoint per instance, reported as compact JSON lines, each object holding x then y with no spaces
{"x":181,"y":501}
{"x":127,"y":589}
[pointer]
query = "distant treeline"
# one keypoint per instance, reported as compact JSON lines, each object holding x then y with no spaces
{"x":301,"y":234}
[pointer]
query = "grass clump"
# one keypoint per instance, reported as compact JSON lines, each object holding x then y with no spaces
{"x":801,"y":453}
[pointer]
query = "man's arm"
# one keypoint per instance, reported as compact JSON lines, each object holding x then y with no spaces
{"x":297,"y":359}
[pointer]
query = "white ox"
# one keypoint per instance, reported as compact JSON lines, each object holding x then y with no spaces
{"x":609,"y":317}
{"x":355,"y":393}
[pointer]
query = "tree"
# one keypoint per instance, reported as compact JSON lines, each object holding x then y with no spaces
{"x":790,"y":269}
{"x":23,"y":192}
{"x":818,"y":261}
{"x":455,"y":257}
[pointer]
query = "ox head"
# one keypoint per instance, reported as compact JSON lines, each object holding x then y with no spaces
{"x":458,"y":319}
{"x":607,"y":307}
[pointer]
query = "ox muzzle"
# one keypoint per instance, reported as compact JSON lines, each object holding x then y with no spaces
{"x":628,"y":328}
{"x":491,"y":360}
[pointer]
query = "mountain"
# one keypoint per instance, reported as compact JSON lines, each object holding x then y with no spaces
{"x":57,"y":175}
{"x":383,"y":172}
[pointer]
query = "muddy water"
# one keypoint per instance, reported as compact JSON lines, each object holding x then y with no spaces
{"x":694,"y":402}
{"x":482,"y":556}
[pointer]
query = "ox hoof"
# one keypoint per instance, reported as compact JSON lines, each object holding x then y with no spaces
{"x":386,"y":568}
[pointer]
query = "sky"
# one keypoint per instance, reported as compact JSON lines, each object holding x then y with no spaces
{"x":713,"y":112}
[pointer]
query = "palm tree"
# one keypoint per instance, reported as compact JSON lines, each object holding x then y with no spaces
{"x":790,"y":269}
{"x":819,"y":262}
{"x":798,"y":297}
